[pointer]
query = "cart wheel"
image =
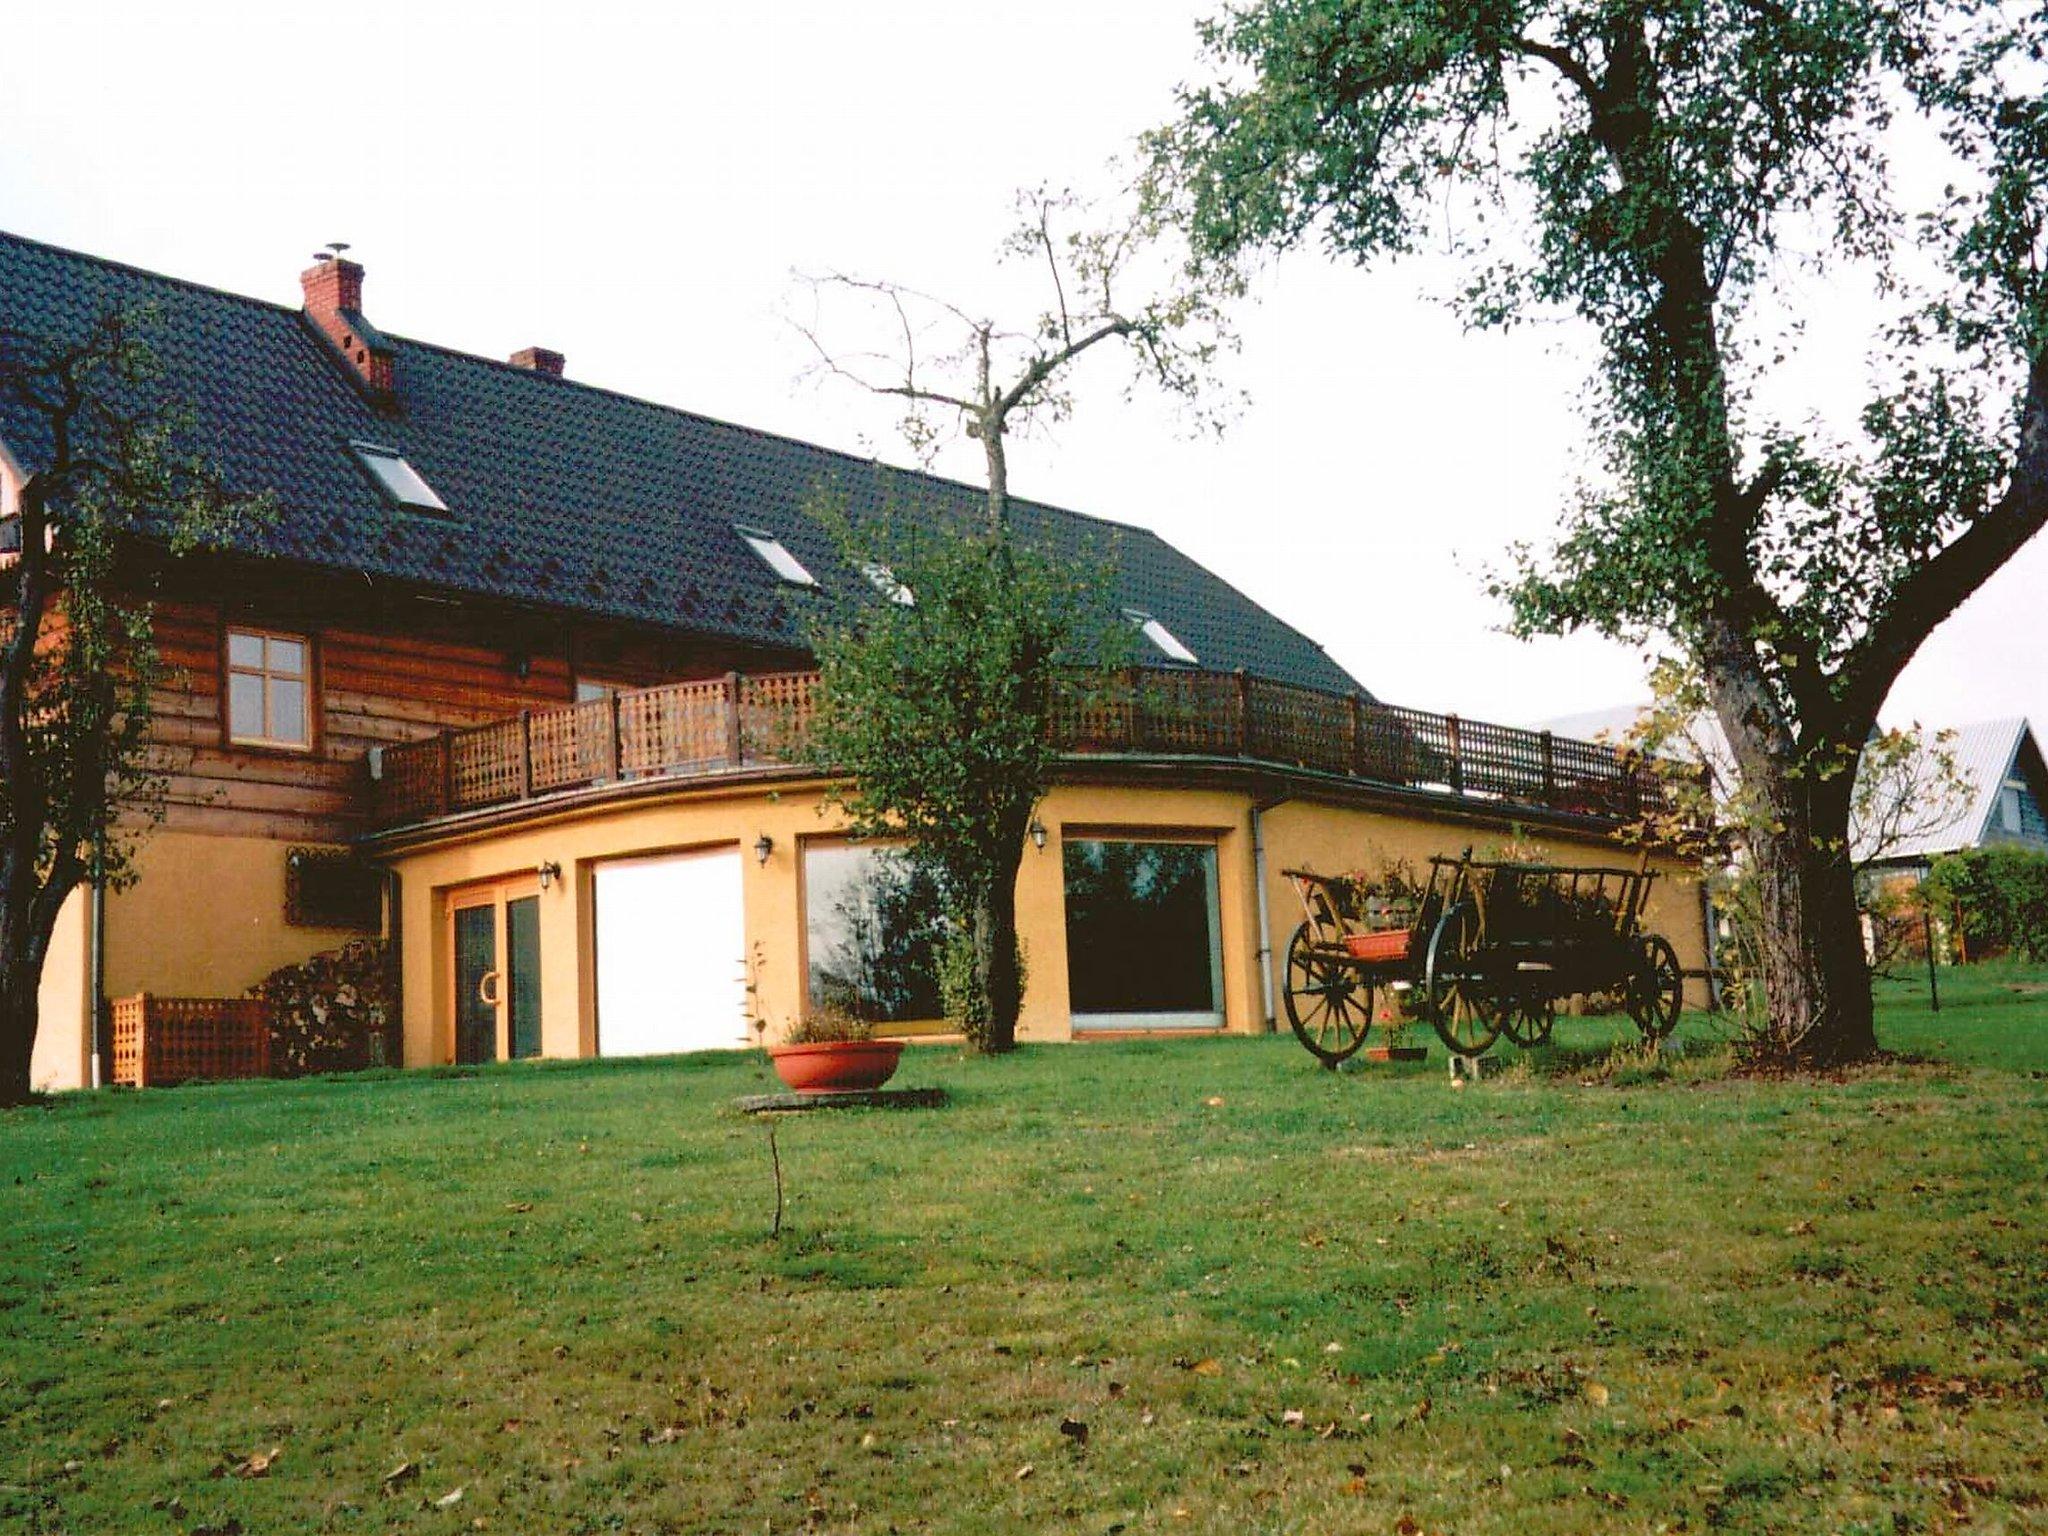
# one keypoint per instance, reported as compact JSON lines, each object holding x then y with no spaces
{"x":1329,"y":1002}
{"x":1461,"y":1003}
{"x":1529,"y":1022}
{"x":1655,"y":991}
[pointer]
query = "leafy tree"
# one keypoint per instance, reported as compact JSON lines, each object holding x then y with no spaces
{"x":107,"y":466}
{"x":939,"y":709}
{"x":949,"y":746}
{"x":1677,"y":174}
{"x":2001,"y":894}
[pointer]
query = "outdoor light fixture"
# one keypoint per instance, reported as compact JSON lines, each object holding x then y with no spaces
{"x":549,"y":873}
{"x":763,"y":846}
{"x":1037,"y":831}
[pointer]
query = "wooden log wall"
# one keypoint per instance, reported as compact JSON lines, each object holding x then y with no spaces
{"x":383,"y":673}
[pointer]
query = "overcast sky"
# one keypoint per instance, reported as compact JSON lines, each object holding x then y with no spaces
{"x":634,"y":184}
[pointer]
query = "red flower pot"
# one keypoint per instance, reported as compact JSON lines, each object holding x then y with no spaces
{"x":836,"y":1066}
{"x":1390,"y":945}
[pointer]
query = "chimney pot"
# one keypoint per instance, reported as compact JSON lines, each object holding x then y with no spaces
{"x":539,"y":360}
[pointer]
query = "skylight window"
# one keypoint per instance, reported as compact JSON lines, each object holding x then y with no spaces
{"x":776,"y":556}
{"x":397,"y":479}
{"x":885,"y":582}
{"x":1164,"y":638}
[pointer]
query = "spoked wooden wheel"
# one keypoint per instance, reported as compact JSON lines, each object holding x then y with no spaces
{"x":1460,"y":997}
{"x":1329,"y":1003}
{"x":1655,"y":992}
{"x":1529,"y":1019}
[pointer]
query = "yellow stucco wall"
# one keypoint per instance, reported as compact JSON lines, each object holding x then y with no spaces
{"x":63,"y":1050}
{"x":205,"y":918}
{"x":1325,"y":836}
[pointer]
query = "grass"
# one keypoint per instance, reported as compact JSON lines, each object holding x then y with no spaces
{"x":1156,"y":1286}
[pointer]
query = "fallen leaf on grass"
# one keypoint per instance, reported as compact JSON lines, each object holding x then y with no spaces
{"x":1208,"y":1367}
{"x":1293,"y":1418}
{"x":1596,"y":1394}
{"x":1025,"y":1471}
{"x":449,"y":1500}
{"x":519,"y":1207}
{"x":1801,"y":1228}
{"x":1214,"y":1101}
{"x":404,"y":1472}
{"x":257,"y":1464}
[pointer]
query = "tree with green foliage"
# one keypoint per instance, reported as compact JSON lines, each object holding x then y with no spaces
{"x":108,"y":469}
{"x":2000,"y":894}
{"x":937,"y":702}
{"x":1677,"y":176}
{"x":948,"y":744}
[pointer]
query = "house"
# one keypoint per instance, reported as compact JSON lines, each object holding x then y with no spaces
{"x":511,"y":677}
{"x":1999,"y":785}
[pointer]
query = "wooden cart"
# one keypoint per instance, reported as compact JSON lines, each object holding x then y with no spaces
{"x":1489,"y":947}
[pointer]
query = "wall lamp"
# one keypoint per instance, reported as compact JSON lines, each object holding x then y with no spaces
{"x":1037,"y":831}
{"x":763,"y":846}
{"x":549,"y":873}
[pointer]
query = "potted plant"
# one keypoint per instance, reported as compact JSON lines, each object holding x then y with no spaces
{"x":833,"y":1051}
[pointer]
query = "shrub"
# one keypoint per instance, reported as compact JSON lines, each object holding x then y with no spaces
{"x":2001,"y":895}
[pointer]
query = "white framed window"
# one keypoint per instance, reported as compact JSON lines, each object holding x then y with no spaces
{"x":1162,"y":638}
{"x":776,"y":556}
{"x":1155,"y":897}
{"x":269,"y":689}
{"x":884,"y":581}
{"x":401,"y":484}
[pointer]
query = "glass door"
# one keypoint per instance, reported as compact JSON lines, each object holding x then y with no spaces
{"x":494,"y":951}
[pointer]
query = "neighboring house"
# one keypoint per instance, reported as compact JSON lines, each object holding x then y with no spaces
{"x":511,"y":678}
{"x":2000,"y":787}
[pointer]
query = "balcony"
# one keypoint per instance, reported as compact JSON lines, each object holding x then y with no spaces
{"x":698,"y":730}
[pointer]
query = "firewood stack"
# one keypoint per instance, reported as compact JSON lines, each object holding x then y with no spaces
{"x":334,"y":1013}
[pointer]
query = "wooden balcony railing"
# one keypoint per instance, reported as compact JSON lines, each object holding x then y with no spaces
{"x":741,"y":721}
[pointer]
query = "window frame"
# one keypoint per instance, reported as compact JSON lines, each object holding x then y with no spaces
{"x":364,"y":452}
{"x":308,"y":679}
{"x":1163,"y":1022}
{"x":824,"y":841}
{"x":1166,"y":642}
{"x":754,"y":537}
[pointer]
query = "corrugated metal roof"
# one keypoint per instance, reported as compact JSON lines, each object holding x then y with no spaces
{"x":1984,"y":754}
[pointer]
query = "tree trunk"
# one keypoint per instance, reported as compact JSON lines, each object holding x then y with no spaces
{"x":998,"y":976}
{"x":17,"y":1028}
{"x":1816,"y":979}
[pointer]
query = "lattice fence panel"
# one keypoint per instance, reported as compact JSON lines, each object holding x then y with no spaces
{"x":571,"y":747}
{"x":159,"y":1041}
{"x":675,"y":728}
{"x":775,"y":715}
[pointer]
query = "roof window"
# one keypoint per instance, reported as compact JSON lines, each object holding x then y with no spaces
{"x":885,"y":582}
{"x":1164,"y":638}
{"x":397,"y":479}
{"x":776,"y":556}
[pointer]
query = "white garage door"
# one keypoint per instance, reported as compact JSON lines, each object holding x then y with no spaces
{"x":671,"y":955}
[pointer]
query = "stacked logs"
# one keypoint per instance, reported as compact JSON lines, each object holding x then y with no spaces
{"x":337,"y":1012}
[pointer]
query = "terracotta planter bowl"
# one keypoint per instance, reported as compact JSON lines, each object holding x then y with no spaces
{"x":836,"y":1066}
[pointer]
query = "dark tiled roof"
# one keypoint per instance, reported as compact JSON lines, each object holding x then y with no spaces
{"x":560,"y":493}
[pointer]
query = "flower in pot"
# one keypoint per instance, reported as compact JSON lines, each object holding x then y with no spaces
{"x":833,"y":1051}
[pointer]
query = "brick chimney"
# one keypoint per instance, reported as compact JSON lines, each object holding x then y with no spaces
{"x":539,"y":360}
{"x":334,"y":307}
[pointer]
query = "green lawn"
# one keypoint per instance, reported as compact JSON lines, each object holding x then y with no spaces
{"x":1583,"y":1294}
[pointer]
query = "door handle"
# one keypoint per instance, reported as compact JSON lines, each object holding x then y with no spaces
{"x":488,"y":990}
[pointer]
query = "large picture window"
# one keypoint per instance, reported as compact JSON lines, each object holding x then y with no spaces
{"x":1142,"y":943}
{"x":872,"y":933}
{"x":269,"y":689}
